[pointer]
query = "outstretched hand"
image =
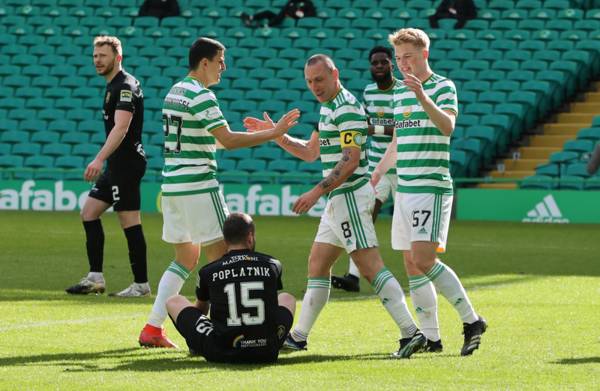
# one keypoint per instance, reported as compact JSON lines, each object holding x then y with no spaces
{"x":253,"y":124}
{"x":286,"y":121}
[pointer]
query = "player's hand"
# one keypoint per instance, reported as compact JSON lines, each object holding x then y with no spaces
{"x":305,"y":202}
{"x":414,"y":84}
{"x":287,"y":121}
{"x":375,"y":178}
{"x":253,"y":124}
{"x":93,"y":170}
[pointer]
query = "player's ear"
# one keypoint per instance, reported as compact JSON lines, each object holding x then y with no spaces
{"x":425,"y":54}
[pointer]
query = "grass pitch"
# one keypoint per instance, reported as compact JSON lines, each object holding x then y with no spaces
{"x":537,"y":285}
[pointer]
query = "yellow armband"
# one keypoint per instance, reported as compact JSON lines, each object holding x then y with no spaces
{"x":351,"y":138}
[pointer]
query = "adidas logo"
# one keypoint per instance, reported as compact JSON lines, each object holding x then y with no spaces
{"x":423,"y":231}
{"x":545,"y":212}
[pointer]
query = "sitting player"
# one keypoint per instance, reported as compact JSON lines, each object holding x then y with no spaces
{"x":248,"y":321}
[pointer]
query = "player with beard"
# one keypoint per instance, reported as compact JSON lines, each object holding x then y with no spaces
{"x":377,"y":99}
{"x":119,"y":184}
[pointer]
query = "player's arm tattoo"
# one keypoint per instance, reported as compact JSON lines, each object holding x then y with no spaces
{"x":335,"y":174}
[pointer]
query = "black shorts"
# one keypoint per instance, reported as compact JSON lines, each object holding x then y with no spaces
{"x":120,"y":187}
{"x":197,"y":329}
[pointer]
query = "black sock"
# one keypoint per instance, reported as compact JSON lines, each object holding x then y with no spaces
{"x":94,"y":243}
{"x":137,"y":253}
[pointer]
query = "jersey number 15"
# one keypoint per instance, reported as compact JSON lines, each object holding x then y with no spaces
{"x":246,"y":302}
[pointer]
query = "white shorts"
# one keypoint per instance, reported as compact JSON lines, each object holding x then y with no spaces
{"x":196,"y":218}
{"x":347,"y":221}
{"x":421,"y":217}
{"x":386,"y":187}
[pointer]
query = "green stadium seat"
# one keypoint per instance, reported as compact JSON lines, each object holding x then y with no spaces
{"x":56,"y":149}
{"x":489,"y":55}
{"x":577,"y":169}
{"x":516,"y":112}
{"x":543,"y":14}
{"x":152,"y":51}
{"x":516,"y":35}
{"x":283,"y":166}
{"x":74,"y":138}
{"x":293,"y":33}
{"x":39,"y":162}
{"x":45,"y":137}
{"x":145,"y":22}
{"x":531,"y":24}
{"x":549,"y":169}
{"x":503,"y":24}
{"x":528,"y":4}
{"x":586,"y":25}
{"x":570,"y":13}
{"x":233,"y":176}
{"x":287,"y":96}
{"x":5,"y":149}
{"x":476,"y":146}
{"x":569,"y":182}
{"x":32,"y":125}
{"x":336,"y":23}
{"x":514,"y":14}
{"x":226,"y":164}
{"x":475,"y":65}
{"x":252,"y":165}
{"x":494,"y":97}
{"x":11,"y":161}
{"x":12,"y":103}
{"x":376,"y":34}
{"x":505,"y":85}
{"x":468,"y":97}
{"x":26,"y":149}
{"x":505,"y":65}
{"x":261,"y":73}
{"x":461,"y":55}
{"x":459,"y":162}
{"x":563,"y":158}
{"x":540,"y":181}
{"x":69,"y":162}
{"x":267,"y":153}
{"x":592,"y":183}
{"x":310,"y":23}
{"x":579,"y":146}
{"x":15,"y":81}
{"x":592,"y":133}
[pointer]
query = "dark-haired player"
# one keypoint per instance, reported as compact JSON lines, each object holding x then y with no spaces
{"x":193,"y":206}
{"x":248,"y":320}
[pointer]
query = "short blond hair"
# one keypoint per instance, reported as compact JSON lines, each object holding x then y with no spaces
{"x":414,"y":36}
{"x":111,"y":41}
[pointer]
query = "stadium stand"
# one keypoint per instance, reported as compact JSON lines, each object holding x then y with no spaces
{"x":523,"y":72}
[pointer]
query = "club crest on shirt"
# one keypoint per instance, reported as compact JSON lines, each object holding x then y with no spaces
{"x":125,"y":96}
{"x":407,"y":112}
{"x":380,"y":114}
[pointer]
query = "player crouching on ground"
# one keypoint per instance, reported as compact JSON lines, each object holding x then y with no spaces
{"x":248,"y":321}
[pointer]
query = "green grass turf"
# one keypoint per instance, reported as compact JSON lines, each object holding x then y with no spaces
{"x":537,"y":285}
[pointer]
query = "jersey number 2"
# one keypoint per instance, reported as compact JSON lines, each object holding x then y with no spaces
{"x":246,"y":302}
{"x":176,"y":122}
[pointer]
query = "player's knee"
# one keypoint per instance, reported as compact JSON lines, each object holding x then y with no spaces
{"x":288,"y":301}
{"x":175,"y":303}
